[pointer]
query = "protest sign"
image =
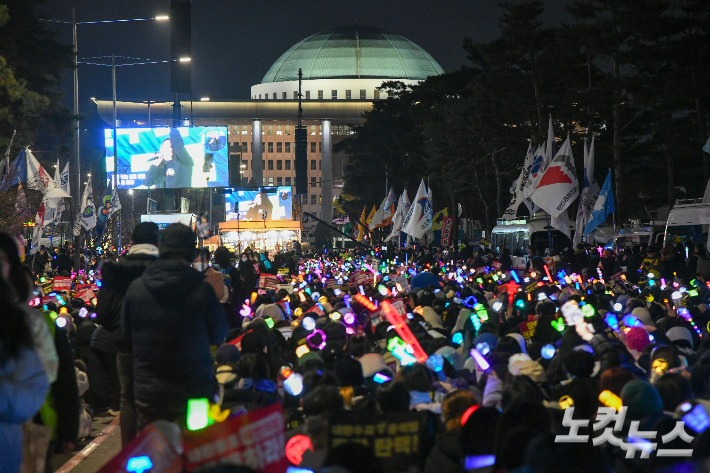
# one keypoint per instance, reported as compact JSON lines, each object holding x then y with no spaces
{"x":360,"y":278}
{"x":395,"y":439}
{"x":86,"y":295}
{"x":256,"y":439}
{"x":268,"y":281}
{"x":527,"y":328}
{"x":149,"y":451}
{"x":446,"y":225}
{"x":62,"y":284}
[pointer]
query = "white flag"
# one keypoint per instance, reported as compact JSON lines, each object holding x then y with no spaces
{"x":399,"y":215}
{"x":64,"y":179}
{"x":115,"y":203}
{"x":561,"y":222}
{"x":39,"y":223}
{"x":87,"y":217}
{"x":37,"y":176}
{"x":588,"y":195}
{"x":420,"y":216}
{"x":377,"y":218}
{"x":558,"y":186}
{"x":532,"y":172}
{"x":390,"y":207}
{"x":550,"y":151}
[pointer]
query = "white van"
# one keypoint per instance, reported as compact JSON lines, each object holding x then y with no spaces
{"x":638,"y":233}
{"x":689,"y":219}
{"x":519,"y":234}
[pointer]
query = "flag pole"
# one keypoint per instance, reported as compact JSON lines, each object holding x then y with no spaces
{"x":613,"y":215}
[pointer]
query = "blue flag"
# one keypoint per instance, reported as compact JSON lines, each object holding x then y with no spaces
{"x":18,"y":172}
{"x":602,"y":208}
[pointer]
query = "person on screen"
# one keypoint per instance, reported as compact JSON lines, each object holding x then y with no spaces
{"x":261,"y":203}
{"x":172,"y":165}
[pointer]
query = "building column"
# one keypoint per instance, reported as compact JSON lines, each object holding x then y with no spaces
{"x":327,"y":176}
{"x":257,"y":166}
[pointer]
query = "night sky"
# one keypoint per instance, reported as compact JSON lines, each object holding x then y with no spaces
{"x":234,"y":43}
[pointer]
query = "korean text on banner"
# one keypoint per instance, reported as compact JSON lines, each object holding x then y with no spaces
{"x":256,"y":439}
{"x":62,"y":284}
{"x":86,"y":295}
{"x":268,"y":281}
{"x":446,"y":226}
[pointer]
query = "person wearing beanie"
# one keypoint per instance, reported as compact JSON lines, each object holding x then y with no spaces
{"x":335,"y":333}
{"x":636,"y":341}
{"x":109,"y":342}
{"x":644,"y":316}
{"x":643,"y":403}
{"x":682,"y":340}
{"x":171,"y":316}
{"x":348,"y":373}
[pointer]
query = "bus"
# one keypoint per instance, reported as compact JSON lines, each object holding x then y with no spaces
{"x":688,"y":220}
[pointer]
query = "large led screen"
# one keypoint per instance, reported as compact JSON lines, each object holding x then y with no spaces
{"x":273,"y":202}
{"x":168,"y":158}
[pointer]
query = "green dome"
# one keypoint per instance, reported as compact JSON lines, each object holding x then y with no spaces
{"x":354,"y":52}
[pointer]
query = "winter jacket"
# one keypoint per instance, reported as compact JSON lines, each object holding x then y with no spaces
{"x":43,"y":343}
{"x":115,"y":279}
{"x":171,"y":316}
{"x":23,"y":386}
{"x":445,"y":457}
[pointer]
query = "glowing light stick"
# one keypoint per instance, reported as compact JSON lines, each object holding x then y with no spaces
{"x":547,"y":271}
{"x":400,"y":325}
{"x":609,"y":399}
{"x":61,"y":322}
{"x":483,"y":348}
{"x":197,"y":414}
{"x":618,"y":307}
{"x":349,"y":318}
{"x":476,"y":322}
{"x":308,"y":323}
{"x":399,"y":350}
{"x":254,"y":295}
{"x":611,"y":321}
{"x":480,"y":361}
{"x":321,"y":345}
{"x":294,"y":384}
{"x":83,"y":312}
{"x":139,"y":464}
{"x":548,"y":351}
{"x":302,"y":350}
{"x":365,"y":302}
{"x":467,"y":414}
{"x":380,"y":378}
{"x":457,"y":338}
{"x":269,"y":322}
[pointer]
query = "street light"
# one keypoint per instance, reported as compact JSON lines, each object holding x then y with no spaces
{"x":185,"y":59}
{"x":204,"y":99}
{"x":74,"y":23}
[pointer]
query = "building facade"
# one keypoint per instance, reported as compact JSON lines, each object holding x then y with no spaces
{"x":342,"y":70}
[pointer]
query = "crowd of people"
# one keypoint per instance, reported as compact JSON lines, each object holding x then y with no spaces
{"x":585,"y":360}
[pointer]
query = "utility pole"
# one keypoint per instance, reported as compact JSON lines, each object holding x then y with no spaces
{"x":76,"y":187}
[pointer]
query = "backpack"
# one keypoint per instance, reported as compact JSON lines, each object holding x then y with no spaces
{"x":227,"y":280}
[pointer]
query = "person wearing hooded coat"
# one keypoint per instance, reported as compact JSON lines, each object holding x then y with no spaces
{"x":171,"y":316}
{"x":108,"y":341}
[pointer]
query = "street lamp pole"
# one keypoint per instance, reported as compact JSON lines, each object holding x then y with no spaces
{"x":76,"y":205}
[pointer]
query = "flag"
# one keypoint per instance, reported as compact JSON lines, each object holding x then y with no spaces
{"x":558,"y":186}
{"x":589,"y":194}
{"x":37,"y":176}
{"x":18,"y":172}
{"x":39,"y":224}
{"x":377,"y":218}
{"x":360,"y":226}
{"x":21,"y":202}
{"x":531,"y":173}
{"x":5,"y":163}
{"x":64,"y":179}
{"x":399,"y":215}
{"x":370,"y":216}
{"x":602,"y":207}
{"x":550,"y":151}
{"x":438,"y":219}
{"x":390,"y":208}
{"x":561,"y":222}
{"x":420,"y":214}
{"x":87,"y":217}
{"x":115,"y":203}
{"x":103,"y":212}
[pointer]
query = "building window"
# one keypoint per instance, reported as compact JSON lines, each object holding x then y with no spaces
{"x":274,"y":95}
{"x":320,"y":163}
{"x":288,"y":179}
{"x":245,"y":147}
{"x":295,"y":94}
{"x":288,"y":164}
{"x":245,"y":164}
{"x":278,"y":130}
{"x":279,"y":147}
{"x":259,"y":96}
{"x":313,"y":164}
{"x":263,"y":181}
{"x":320,"y":146}
{"x":288,"y":130}
{"x":263,"y":165}
{"x":320,"y":95}
{"x":271,"y":164}
{"x":279,"y":181}
{"x":244,"y":129}
{"x":263,"y":146}
{"x":313,"y":182}
{"x":308,"y":95}
{"x":363,"y":94}
{"x":271,"y":181}
{"x":288,"y":146}
{"x":283,"y":95}
{"x":320,"y":129}
{"x":313,"y":146}
{"x":271,"y":129}
{"x":334,"y":94}
{"x":279,"y":164}
{"x":314,"y":198}
{"x":313,"y":130}
{"x":377,"y":94}
{"x":271,"y":147}
{"x":320,"y":199}
{"x":348,"y":95}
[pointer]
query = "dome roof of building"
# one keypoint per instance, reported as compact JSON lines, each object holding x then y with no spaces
{"x":354,"y":52}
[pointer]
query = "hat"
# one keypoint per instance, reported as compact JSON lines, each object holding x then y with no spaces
{"x":335,"y":331}
{"x":520,"y":339}
{"x":348,"y":372}
{"x":533,"y":370}
{"x":311,"y":355}
{"x":642,"y":400}
{"x":515,"y":361}
{"x":372,"y":363}
{"x":452,"y":356}
{"x":488,"y":338}
{"x":226,"y":373}
{"x":579,"y":363}
{"x":178,"y":239}
{"x":677,"y":334}
{"x":331,"y":353}
{"x":643,"y":315}
{"x":253,"y":342}
{"x":637,"y":339}
{"x":270,"y":310}
{"x":227,"y":353}
{"x":431,"y":317}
